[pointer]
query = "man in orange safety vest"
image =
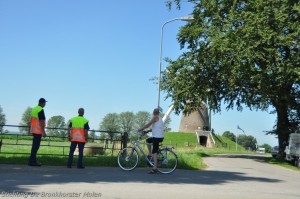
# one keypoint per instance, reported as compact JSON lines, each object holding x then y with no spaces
{"x":37,"y":129}
{"x":78,"y":135}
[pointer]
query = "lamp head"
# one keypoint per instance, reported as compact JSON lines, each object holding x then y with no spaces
{"x":187,"y":18}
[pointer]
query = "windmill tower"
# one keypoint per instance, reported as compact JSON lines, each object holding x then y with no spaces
{"x":199,"y":122}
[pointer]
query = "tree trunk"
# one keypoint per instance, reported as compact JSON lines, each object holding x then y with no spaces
{"x":282,"y":129}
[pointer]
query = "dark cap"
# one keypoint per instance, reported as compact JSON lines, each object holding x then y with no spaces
{"x":42,"y":100}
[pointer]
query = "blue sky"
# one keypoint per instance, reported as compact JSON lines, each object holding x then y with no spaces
{"x":95,"y":54}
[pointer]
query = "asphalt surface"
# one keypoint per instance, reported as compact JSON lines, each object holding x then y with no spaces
{"x":231,"y":177}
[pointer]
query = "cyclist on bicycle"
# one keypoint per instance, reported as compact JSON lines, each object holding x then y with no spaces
{"x":157,"y":137}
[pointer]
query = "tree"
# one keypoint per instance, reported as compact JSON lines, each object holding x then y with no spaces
{"x":2,"y":119}
{"x":110,"y":123}
{"x":57,"y":122}
{"x":141,"y":118}
{"x":230,"y":135}
{"x":126,"y":120}
{"x":25,"y":120}
{"x":241,"y":53}
{"x":103,"y":136}
{"x":247,"y":141}
{"x":267,"y":147}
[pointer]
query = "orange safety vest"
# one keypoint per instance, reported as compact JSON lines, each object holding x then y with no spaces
{"x":36,"y":126}
{"x":77,"y":135}
{"x":35,"y":122}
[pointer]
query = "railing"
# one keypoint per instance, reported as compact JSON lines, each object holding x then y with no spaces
{"x":212,"y":137}
{"x":224,"y":144}
{"x":18,"y":143}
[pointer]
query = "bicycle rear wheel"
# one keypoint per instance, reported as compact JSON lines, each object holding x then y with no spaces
{"x":128,"y":159}
{"x":166,"y":161}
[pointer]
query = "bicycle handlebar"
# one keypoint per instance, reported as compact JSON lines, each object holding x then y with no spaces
{"x":143,"y":132}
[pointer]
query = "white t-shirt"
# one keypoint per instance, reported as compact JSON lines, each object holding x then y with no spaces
{"x":158,"y":129}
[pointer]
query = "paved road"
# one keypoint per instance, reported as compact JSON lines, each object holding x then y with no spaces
{"x":231,"y":177}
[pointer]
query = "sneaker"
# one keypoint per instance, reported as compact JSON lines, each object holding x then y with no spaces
{"x":153,"y":171}
{"x":81,"y":167}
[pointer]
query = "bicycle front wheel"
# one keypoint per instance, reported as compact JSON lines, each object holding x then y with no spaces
{"x":128,"y":159}
{"x":166,"y":161}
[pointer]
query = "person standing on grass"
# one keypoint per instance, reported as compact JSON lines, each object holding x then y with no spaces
{"x":78,"y":135}
{"x":37,"y":129}
{"x":157,"y":137}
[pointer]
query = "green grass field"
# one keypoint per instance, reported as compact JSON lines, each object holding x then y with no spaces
{"x":189,"y":152}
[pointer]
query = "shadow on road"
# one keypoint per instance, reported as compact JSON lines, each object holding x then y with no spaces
{"x":19,"y":177}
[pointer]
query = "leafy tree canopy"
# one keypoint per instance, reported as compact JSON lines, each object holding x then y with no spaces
{"x":127,"y":122}
{"x":110,"y":123}
{"x":267,"y":147}
{"x":247,"y":141}
{"x":230,"y":135}
{"x":57,"y":122}
{"x":141,"y":118}
{"x":243,"y":53}
{"x":25,"y":121}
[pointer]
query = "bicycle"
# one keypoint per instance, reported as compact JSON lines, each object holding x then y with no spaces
{"x":128,"y":158}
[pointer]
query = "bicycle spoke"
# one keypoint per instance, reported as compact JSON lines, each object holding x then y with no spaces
{"x":128,"y":159}
{"x":166,"y":161}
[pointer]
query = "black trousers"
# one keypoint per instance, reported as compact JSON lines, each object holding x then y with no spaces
{"x":80,"y":155}
{"x":36,"y":141}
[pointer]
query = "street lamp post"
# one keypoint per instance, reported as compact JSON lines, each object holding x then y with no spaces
{"x":187,"y":18}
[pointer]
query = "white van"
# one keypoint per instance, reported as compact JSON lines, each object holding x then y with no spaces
{"x":292,"y":151}
{"x":261,"y":150}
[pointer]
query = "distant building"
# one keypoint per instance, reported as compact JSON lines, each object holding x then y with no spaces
{"x":261,"y":150}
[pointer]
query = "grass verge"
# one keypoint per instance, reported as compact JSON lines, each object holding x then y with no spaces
{"x":284,"y":164}
{"x":109,"y":161}
{"x":189,"y":160}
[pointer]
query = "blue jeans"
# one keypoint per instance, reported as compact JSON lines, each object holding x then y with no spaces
{"x":80,"y":156}
{"x":36,"y":141}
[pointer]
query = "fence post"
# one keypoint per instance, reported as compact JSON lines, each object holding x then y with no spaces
{"x":29,"y":128}
{"x":106,"y":144}
{"x":0,"y":144}
{"x":124,"y":140}
{"x":112,"y":148}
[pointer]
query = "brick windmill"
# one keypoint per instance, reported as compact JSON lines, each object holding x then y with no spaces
{"x":198,"y":122}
